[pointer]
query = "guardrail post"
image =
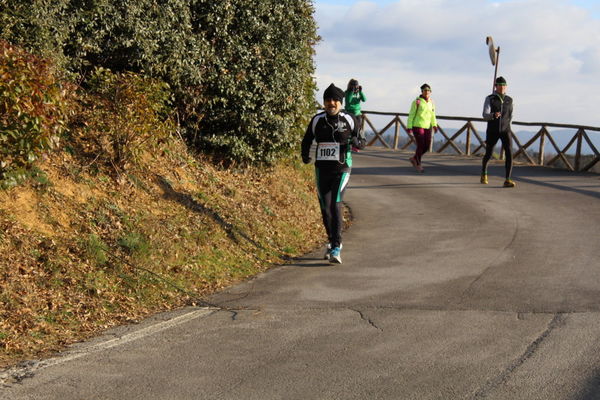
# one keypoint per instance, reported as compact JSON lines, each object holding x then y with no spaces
{"x":432,"y":140}
{"x":541,"y":154}
{"x":578,"y":150}
{"x":468,"y":149}
{"x":396,"y":133}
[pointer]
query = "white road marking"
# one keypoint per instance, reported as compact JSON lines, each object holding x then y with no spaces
{"x":19,"y":372}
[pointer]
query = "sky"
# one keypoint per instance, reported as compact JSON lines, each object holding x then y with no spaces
{"x":549,"y":54}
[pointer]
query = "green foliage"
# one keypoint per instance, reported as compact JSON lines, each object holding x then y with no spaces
{"x":240,"y":70}
{"x":259,"y":87}
{"x":135,"y":244}
{"x":33,"y":110}
{"x":120,"y":115}
{"x":40,"y":26}
{"x":16,"y":176}
{"x":96,"y":250}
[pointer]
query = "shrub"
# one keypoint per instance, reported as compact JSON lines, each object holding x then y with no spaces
{"x":42,"y":27}
{"x":119,"y":116}
{"x":260,"y":85}
{"x":33,"y":111}
{"x":241,"y":70}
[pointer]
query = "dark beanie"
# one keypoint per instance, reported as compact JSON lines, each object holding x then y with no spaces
{"x":500,"y":81}
{"x":333,"y":92}
{"x":425,"y":86}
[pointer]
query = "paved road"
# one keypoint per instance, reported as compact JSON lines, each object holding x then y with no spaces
{"x":449,"y":290}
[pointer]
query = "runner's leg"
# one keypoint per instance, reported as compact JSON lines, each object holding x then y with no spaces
{"x":339,"y":184}
{"x":419,"y":134}
{"x":490,"y":142}
{"x":507,"y":146}
{"x":325,"y":199}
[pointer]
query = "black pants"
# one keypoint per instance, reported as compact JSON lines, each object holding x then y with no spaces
{"x":330,"y":189}
{"x":490,"y":142}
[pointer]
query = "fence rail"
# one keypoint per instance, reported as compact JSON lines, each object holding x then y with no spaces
{"x":533,"y":151}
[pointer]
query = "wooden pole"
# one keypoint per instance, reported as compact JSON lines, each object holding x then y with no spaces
{"x":396,"y":133}
{"x":468,"y":144}
{"x":541,"y":154}
{"x":496,"y":69}
{"x":578,"y":150}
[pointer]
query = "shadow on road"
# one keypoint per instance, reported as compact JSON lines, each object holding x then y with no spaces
{"x":306,"y":262}
{"x":563,"y":187}
{"x":382,"y":171}
{"x":592,"y":389}
{"x":463,"y":167}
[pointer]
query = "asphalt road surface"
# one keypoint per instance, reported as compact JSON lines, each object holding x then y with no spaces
{"x":449,"y":289}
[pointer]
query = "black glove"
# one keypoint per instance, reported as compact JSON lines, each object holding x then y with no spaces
{"x":305,"y":159}
{"x":360,"y":88}
{"x":359,"y":142}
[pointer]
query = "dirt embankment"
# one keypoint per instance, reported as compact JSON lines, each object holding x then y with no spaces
{"x":83,"y":249}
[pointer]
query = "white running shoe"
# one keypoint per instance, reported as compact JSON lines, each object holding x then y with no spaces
{"x":327,"y":255}
{"x":335,"y":255}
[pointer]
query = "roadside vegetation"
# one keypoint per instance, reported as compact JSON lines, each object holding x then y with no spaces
{"x":138,"y":175}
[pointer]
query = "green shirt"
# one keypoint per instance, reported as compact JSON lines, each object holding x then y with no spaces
{"x":352,"y":101}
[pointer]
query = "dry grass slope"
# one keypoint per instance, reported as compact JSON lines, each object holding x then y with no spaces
{"x":82,"y":250}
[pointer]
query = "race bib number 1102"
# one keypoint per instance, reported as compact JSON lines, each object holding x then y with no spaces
{"x":328,"y":151}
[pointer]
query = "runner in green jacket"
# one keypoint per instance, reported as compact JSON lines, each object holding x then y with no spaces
{"x":353,"y":96}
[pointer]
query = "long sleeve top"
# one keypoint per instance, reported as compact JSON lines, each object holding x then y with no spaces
{"x":421,"y":114}
{"x":334,"y":135}
{"x":496,"y":103}
{"x":352,"y":101}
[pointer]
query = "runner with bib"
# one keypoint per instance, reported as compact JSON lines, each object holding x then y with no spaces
{"x":335,"y":132}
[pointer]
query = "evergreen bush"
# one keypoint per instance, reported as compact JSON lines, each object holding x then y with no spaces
{"x":240,"y":70}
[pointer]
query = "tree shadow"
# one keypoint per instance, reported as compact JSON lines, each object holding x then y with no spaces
{"x":466,"y":166}
{"x":591,"y":390}
{"x":308,"y":262}
{"x":381,"y":170}
{"x":189,"y":202}
{"x":586,"y":192}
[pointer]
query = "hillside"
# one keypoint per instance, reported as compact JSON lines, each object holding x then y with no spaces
{"x":82,"y":249}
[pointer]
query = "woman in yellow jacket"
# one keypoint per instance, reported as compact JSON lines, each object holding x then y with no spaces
{"x":421,"y":121}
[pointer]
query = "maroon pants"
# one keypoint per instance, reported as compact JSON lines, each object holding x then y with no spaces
{"x":423,"y":139}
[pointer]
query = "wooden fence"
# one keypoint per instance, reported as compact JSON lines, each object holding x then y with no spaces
{"x":474,"y":142}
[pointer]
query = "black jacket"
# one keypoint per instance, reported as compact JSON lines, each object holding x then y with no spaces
{"x":493,"y":104}
{"x":341,"y":128}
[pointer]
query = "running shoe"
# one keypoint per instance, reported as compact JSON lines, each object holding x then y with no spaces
{"x":336,"y":257}
{"x":327,"y":252}
{"x":484,"y":179}
{"x":414,"y":163}
{"x":509,"y":183}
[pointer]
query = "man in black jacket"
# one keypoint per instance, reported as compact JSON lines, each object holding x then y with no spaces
{"x":334,"y":132}
{"x":497,"y":110}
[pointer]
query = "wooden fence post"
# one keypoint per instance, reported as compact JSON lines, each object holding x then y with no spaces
{"x":396,"y":133}
{"x":541,"y":155}
{"x":432,"y":140}
{"x":468,"y":149}
{"x":578,"y":150}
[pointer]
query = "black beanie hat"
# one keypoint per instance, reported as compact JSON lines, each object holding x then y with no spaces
{"x":425,"y":86}
{"x":500,"y":81}
{"x":333,"y":92}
